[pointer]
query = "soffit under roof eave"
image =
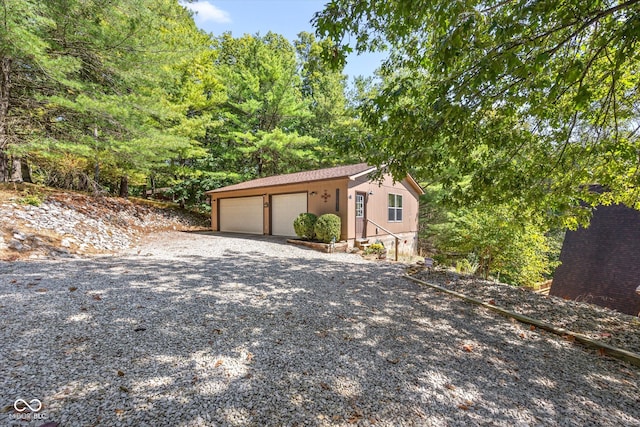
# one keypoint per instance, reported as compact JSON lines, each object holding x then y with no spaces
{"x":359,"y":174}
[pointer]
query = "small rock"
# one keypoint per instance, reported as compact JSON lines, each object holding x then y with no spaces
{"x":16,"y":245}
{"x":61,"y":251}
{"x":66,"y":242}
{"x":37,"y":241}
{"x":19,"y":236}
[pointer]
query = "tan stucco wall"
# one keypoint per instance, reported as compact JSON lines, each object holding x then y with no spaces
{"x":376,"y":205}
{"x":316,"y":203}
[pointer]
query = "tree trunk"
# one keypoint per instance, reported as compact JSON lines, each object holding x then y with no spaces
{"x":83,"y":182}
{"x":4,"y":167}
{"x":68,"y":181}
{"x":153,"y":187}
{"x":124,"y":186}
{"x":5,"y":84}
{"x":26,"y":172}
{"x":16,"y":169}
{"x":96,"y":169}
{"x":260,"y":165}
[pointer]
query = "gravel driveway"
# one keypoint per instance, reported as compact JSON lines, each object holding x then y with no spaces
{"x":198,"y":329}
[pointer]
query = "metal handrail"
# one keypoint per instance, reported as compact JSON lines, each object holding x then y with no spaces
{"x":390,"y":233}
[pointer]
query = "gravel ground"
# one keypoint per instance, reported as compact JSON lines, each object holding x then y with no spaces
{"x":599,"y":323}
{"x":71,"y":223}
{"x":194,"y":329}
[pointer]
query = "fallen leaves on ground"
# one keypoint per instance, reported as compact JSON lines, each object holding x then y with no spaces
{"x":466,"y":405}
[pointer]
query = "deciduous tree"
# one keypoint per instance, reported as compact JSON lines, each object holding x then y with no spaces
{"x":525,"y":102}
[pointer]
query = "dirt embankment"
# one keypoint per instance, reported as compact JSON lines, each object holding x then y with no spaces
{"x":36,"y":222}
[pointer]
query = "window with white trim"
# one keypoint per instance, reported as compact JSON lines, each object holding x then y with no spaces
{"x":359,"y":205}
{"x":395,"y":208}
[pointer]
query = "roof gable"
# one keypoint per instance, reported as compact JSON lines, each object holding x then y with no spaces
{"x":299,"y":177}
{"x":346,"y":172}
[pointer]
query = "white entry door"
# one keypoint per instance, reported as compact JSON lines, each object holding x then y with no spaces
{"x":284,"y":210}
{"x":241,"y":215}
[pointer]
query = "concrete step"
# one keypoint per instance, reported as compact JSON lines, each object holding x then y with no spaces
{"x":362,"y":243}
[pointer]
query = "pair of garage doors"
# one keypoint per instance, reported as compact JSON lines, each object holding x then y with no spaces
{"x":246,"y":214}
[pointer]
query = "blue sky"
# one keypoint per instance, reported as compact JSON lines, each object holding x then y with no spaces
{"x":286,"y":17}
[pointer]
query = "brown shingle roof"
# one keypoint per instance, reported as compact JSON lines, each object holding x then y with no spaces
{"x":601,"y":263}
{"x":294,"y":178}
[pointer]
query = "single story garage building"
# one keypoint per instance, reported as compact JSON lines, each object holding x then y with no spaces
{"x":366,"y":207}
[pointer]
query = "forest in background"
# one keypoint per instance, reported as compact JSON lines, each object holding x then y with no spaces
{"x":125,"y":96}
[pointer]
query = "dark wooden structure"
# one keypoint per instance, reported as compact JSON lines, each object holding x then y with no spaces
{"x":601,"y":264}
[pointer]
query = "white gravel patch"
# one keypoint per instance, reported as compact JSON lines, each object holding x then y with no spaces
{"x":195,"y":329}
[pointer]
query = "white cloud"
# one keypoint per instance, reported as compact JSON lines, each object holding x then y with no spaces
{"x":205,"y":11}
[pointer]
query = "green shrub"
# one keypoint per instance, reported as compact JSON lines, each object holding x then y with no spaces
{"x":304,"y":225}
{"x":466,"y":266}
{"x":375,"y":248}
{"x":327,"y":228}
{"x":495,"y":242}
{"x":31,"y":199}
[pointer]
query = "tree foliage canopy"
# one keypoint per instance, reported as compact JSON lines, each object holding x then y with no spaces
{"x":526,"y":102}
{"x":88,"y":87}
{"x":97,"y":95}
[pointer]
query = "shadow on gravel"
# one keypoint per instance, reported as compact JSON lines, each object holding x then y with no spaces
{"x":249,"y":238}
{"x":255,"y":340}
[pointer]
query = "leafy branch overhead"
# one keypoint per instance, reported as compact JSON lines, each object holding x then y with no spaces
{"x":522,"y":101}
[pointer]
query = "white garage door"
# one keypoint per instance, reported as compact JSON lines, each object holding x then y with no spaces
{"x":241,"y":215}
{"x":284,"y":210}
